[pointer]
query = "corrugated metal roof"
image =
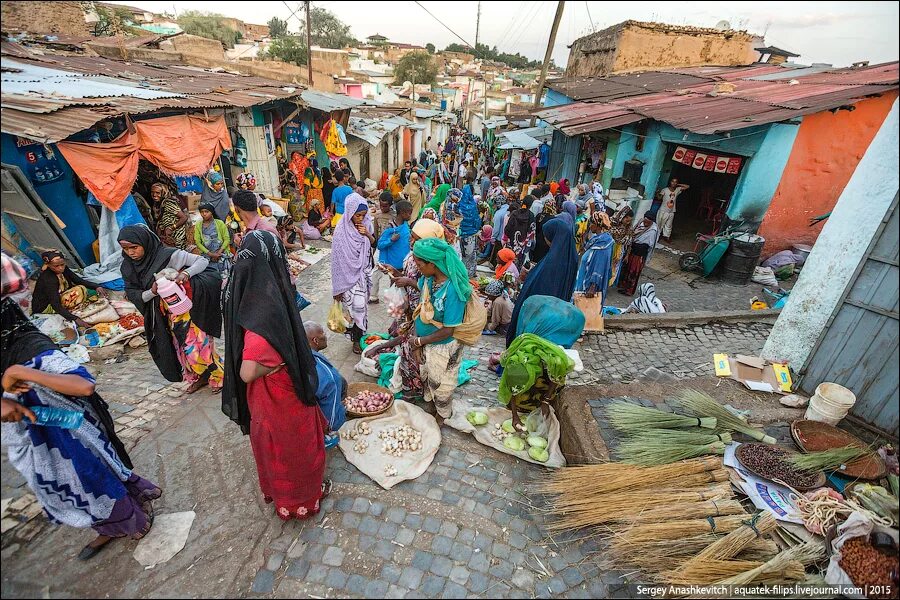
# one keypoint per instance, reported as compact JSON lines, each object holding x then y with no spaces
{"x":327,"y":102}
{"x":51,"y":97}
{"x":373,"y":130}
{"x":756,"y":98}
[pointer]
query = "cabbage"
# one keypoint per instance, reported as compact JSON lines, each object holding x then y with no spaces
{"x":477,"y":418}
{"x":536,"y":441}
{"x":515,"y":443}
{"x":539,"y":454}
{"x":508,"y":426}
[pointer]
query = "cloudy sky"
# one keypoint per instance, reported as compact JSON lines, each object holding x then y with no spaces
{"x":838,"y":33}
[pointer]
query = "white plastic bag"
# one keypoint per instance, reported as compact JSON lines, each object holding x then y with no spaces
{"x":764,"y":276}
{"x":368,"y":362}
{"x":395,"y":300}
{"x":856,"y":525}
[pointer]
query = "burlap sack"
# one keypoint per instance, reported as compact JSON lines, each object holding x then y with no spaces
{"x":498,"y":414}
{"x":98,"y":312}
{"x":373,"y":461}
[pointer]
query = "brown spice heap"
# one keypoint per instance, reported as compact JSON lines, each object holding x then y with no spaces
{"x":772,"y":462}
{"x":870,"y":568}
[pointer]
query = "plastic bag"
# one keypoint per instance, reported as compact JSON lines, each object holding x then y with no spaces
{"x":337,"y":322}
{"x":764,"y":276}
{"x":856,"y":525}
{"x":395,"y":299}
{"x":368,"y":361}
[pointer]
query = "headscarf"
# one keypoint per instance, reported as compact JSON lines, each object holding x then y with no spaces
{"x":553,"y":276}
{"x":620,"y":232}
{"x":350,"y":248}
{"x":494,"y":288}
{"x":207,"y":206}
{"x":601,"y":219}
{"x":445,"y":258}
{"x":564,"y":187}
{"x":519,"y":224}
{"x":48,"y":256}
{"x":260,"y":298}
{"x":582,"y":196}
{"x":487,"y":232}
{"x":219,"y":200}
{"x":248,"y":179}
{"x":647,"y":302}
{"x":553,"y":187}
{"x":527,"y":358}
{"x":440,"y":194}
{"x":139,"y":275}
{"x":505,"y":258}
{"x":550,"y":209}
{"x":556,"y":320}
{"x":428,"y":228}
{"x":430,"y":214}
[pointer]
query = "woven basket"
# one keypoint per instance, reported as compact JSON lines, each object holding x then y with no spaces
{"x":354,"y":388}
{"x":813,"y":436}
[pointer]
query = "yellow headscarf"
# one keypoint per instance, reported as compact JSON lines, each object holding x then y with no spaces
{"x":427,"y":228}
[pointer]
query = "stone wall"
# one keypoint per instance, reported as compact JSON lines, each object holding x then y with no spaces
{"x":635,"y":46}
{"x":194,"y":44}
{"x":44,"y":17}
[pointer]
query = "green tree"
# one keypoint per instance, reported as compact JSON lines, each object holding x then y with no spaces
{"x":485,"y":52}
{"x":430,"y":47}
{"x":416,"y":66}
{"x":327,"y":31}
{"x":277,"y":27}
{"x":288,"y":49}
{"x":209,"y":25}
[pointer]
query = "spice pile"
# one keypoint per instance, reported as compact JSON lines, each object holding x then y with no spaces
{"x":774,"y":463}
{"x":870,"y":568}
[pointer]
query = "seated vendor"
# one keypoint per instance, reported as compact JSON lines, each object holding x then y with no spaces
{"x":499,"y":308}
{"x":332,"y":386}
{"x":59,"y":290}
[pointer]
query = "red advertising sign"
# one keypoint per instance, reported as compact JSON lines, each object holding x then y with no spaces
{"x":689,"y":157}
{"x":679,"y":154}
{"x":721,"y":164}
{"x":710,"y":163}
{"x":734,"y":165}
{"x":699,"y":161}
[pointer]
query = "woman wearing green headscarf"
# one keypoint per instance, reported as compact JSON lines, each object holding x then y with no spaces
{"x":445,"y":291}
{"x":440,"y":194}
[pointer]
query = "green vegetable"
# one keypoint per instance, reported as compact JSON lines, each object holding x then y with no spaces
{"x":515,"y":443}
{"x":477,"y":418}
{"x":508,"y":426}
{"x":539,"y":454}
{"x":877,"y":499}
{"x":536,"y":441}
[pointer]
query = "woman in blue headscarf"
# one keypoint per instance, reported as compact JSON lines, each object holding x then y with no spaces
{"x":596,"y":262}
{"x":554,"y":275}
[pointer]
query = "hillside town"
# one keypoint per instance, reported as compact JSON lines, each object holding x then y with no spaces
{"x":296,"y":309}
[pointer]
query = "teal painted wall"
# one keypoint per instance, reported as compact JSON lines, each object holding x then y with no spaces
{"x":766,"y":150}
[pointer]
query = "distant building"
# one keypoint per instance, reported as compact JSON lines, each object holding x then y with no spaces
{"x":376,"y":40}
{"x":394,"y":51}
{"x":636,"y":45}
{"x":46,"y":17}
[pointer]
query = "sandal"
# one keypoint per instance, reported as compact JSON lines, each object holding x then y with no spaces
{"x":194,"y":387}
{"x":148,"y":508}
{"x":326,"y":488}
{"x":94,"y":548}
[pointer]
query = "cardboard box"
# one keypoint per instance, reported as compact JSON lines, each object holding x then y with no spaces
{"x":756,"y":374}
{"x":193,"y":201}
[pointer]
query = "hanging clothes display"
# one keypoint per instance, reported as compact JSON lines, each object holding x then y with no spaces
{"x":334,"y":138}
{"x":544,"y":155}
{"x":515,"y":164}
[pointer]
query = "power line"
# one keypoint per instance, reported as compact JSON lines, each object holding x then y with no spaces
{"x":445,"y":26}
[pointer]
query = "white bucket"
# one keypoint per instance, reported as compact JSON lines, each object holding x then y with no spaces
{"x":830,"y":403}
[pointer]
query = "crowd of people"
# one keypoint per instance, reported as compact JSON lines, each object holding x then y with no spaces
{"x":423,"y":232}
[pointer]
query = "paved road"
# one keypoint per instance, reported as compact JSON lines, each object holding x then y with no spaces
{"x":467,"y":527}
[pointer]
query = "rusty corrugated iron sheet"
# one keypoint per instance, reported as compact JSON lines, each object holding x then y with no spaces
{"x":722,"y":99}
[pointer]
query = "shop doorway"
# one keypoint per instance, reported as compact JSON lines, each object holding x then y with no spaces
{"x":702,"y":206}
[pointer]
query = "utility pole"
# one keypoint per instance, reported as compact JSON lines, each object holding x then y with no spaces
{"x":540,"y":87}
{"x":467,"y":108}
{"x":309,"y":47}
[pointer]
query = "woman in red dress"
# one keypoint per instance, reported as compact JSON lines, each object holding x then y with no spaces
{"x":270,"y":379}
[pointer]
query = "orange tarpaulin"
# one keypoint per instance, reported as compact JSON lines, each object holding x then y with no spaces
{"x":180,"y":145}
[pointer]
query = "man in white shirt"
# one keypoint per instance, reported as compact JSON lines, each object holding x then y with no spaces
{"x":665,"y":217}
{"x":543,"y":196}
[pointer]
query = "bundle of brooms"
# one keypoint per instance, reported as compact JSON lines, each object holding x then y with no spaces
{"x":700,"y":404}
{"x":669,"y":555}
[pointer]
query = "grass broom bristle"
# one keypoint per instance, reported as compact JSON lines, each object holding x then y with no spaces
{"x":759,"y":551}
{"x":802,"y":554}
{"x":732,"y":544}
{"x":708,"y":508}
{"x":648,"y":451}
{"x":667,"y":555}
{"x":629,"y":418}
{"x":701,"y":404}
{"x":833,"y":459}
{"x":649,"y":532}
{"x":591,"y":480}
{"x":706,"y":572}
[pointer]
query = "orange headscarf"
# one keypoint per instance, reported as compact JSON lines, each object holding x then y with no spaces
{"x":506,"y":256}
{"x":553,"y":187}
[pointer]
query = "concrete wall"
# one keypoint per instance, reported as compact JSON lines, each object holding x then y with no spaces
{"x":633,"y":46}
{"x":840,"y":248}
{"x":194,"y":44}
{"x":825,"y":154}
{"x":43,"y":17}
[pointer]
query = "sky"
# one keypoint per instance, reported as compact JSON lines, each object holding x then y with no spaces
{"x":838,"y":33}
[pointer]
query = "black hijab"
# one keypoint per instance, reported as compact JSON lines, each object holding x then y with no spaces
{"x":260,"y":298}
{"x":21,"y":341}
{"x":138,"y":276}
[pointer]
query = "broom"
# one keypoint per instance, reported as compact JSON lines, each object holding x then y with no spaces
{"x":629,"y":418}
{"x":650,"y":451}
{"x":708,"y":571}
{"x":651,"y":532}
{"x":833,"y":459}
{"x":667,"y":555}
{"x":802,"y":554}
{"x":732,"y":544}
{"x":693,"y":435}
{"x":700,"y":404}
{"x":709,"y":508}
{"x":759,"y":550}
{"x":591,"y":480}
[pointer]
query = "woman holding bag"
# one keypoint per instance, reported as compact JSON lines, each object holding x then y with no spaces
{"x":351,"y":265}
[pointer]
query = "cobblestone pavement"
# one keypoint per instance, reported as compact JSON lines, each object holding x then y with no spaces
{"x":466,"y":528}
{"x":688,"y":291}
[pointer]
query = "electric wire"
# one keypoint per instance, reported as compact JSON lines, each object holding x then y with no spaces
{"x":442,"y":23}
